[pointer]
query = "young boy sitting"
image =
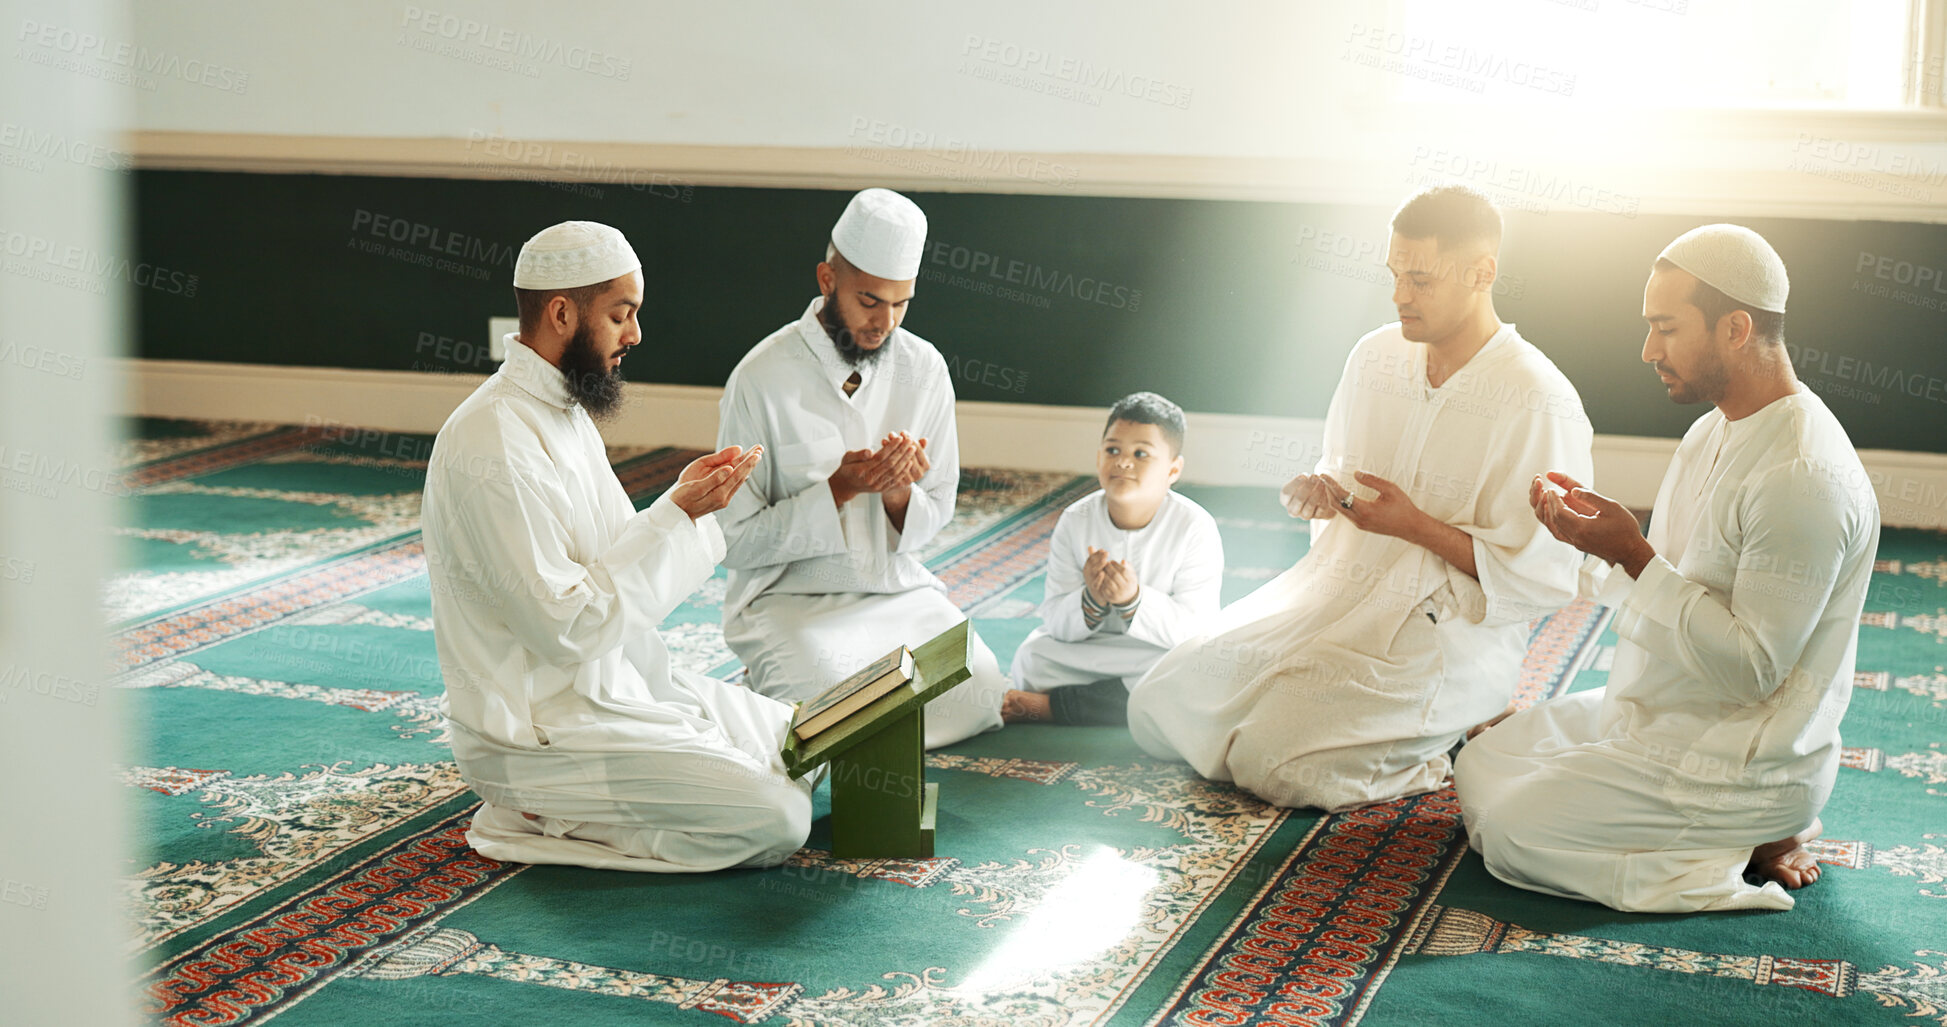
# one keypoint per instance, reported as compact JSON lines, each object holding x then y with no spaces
{"x":1133,"y":570}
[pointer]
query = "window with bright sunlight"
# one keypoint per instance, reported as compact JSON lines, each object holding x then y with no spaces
{"x":1722,"y":54}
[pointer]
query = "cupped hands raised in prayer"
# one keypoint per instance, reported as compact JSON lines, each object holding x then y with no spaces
{"x":1389,"y":512}
{"x":899,"y":462}
{"x":706,"y":485}
{"x":1320,"y":497}
{"x":1589,"y":521}
{"x":1309,"y":496}
{"x":1111,"y":582}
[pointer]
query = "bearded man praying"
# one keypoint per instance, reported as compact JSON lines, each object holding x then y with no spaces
{"x":863,"y":462}
{"x":567,"y":717}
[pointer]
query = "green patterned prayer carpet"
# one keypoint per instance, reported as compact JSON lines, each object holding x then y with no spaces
{"x":303,"y":825}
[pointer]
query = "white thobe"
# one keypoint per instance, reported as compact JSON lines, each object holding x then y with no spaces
{"x":817,"y":591}
{"x":1346,"y":679}
{"x":1178,"y":560}
{"x":1719,"y":728}
{"x":547,"y":587}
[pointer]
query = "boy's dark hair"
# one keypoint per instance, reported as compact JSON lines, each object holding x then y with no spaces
{"x":1453,"y":215}
{"x":1766,"y":325}
{"x":1149,"y":408}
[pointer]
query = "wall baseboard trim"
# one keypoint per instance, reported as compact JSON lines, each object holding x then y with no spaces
{"x":1221,"y":449}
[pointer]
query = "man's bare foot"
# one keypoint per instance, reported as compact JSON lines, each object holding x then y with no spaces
{"x":1019,"y":707}
{"x":1484,"y":725}
{"x":1786,"y":860}
{"x":530,"y":816}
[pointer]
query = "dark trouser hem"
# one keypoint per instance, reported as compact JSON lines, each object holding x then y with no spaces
{"x":1105,"y":702}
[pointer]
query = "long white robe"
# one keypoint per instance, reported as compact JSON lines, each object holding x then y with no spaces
{"x":1178,"y":559}
{"x":1719,"y":728}
{"x":1346,"y":679}
{"x":817,"y":592}
{"x":547,"y":588}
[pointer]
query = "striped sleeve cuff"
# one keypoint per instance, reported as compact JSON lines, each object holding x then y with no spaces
{"x":1092,"y":611}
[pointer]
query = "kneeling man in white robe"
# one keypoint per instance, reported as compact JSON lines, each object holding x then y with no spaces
{"x":1347,"y":679}
{"x":863,"y":463}
{"x":567,"y":718}
{"x":1707,"y":758}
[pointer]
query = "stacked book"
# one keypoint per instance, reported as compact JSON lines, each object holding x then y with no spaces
{"x":834,"y":704}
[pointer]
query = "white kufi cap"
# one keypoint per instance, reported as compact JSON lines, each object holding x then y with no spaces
{"x":1735,"y":261}
{"x":882,"y":233}
{"x":573,"y":254}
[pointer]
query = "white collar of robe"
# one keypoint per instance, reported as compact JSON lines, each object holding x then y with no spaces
{"x":532,"y":372}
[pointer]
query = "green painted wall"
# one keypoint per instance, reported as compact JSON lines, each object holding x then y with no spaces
{"x":1232,"y":307}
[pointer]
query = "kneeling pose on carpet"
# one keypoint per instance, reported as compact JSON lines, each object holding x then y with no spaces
{"x":547,"y":586}
{"x":862,"y":472}
{"x":1710,"y":753}
{"x":1134,"y":569}
{"x":1346,"y":680}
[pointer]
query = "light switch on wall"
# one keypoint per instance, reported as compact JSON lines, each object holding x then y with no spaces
{"x":498,"y":328}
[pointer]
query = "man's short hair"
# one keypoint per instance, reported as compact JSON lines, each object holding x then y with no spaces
{"x":533,"y":303}
{"x":1766,"y":325}
{"x":1149,"y":408}
{"x":1453,"y":215}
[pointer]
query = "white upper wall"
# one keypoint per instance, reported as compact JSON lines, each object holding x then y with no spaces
{"x":1546,"y":104}
{"x":1206,"y":78}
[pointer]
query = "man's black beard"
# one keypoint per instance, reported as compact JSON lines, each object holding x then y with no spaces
{"x":597,"y":388}
{"x":841,"y":336}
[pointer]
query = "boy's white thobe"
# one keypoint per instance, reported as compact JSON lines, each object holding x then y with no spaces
{"x":1178,"y":559}
{"x":547,"y":588}
{"x":1719,"y":729}
{"x":1346,"y":679}
{"x":818,"y":592}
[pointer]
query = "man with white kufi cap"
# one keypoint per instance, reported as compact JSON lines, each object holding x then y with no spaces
{"x":568,"y":719}
{"x":1695,"y":778}
{"x":856,"y":415}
